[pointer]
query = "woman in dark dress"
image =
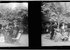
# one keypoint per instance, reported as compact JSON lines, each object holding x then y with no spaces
{"x":0,"y":26}
{"x":52,"y":32}
{"x":51,"y":28}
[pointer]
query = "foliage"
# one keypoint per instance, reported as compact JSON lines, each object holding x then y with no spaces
{"x":50,"y":10}
{"x":20,"y":15}
{"x":55,"y":12}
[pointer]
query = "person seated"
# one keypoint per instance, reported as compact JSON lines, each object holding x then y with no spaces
{"x":65,"y":39}
{"x":18,"y":36}
{"x":64,"y":36}
{"x":57,"y":36}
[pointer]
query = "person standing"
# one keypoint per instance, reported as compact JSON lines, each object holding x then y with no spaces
{"x":52,"y":32}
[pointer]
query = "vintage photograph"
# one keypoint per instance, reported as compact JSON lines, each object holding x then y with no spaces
{"x":34,"y":0}
{"x":55,"y":0}
{"x":13,"y":0}
{"x":55,"y":24}
{"x":48,"y":0}
{"x":14,"y":24}
{"x":33,"y":49}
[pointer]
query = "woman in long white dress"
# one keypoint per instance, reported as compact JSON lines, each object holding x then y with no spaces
{"x":57,"y":35}
{"x":64,"y":32}
{"x":61,"y":34}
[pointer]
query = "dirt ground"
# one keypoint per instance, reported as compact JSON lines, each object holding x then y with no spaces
{"x":47,"y":42}
{"x":23,"y":42}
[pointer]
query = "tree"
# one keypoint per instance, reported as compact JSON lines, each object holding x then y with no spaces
{"x":55,"y":12}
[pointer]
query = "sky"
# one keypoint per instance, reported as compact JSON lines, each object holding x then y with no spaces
{"x":12,"y":5}
{"x":67,"y":5}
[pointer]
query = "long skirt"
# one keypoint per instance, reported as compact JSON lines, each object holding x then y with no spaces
{"x":58,"y":37}
{"x":65,"y":36}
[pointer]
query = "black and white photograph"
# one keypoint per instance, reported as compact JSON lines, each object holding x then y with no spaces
{"x":55,"y":24}
{"x":48,"y":0}
{"x":14,"y":24}
{"x":55,"y":0}
{"x":33,"y":49}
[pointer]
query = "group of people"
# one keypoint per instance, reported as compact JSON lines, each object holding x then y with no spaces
{"x":10,"y":32}
{"x":61,"y":34}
